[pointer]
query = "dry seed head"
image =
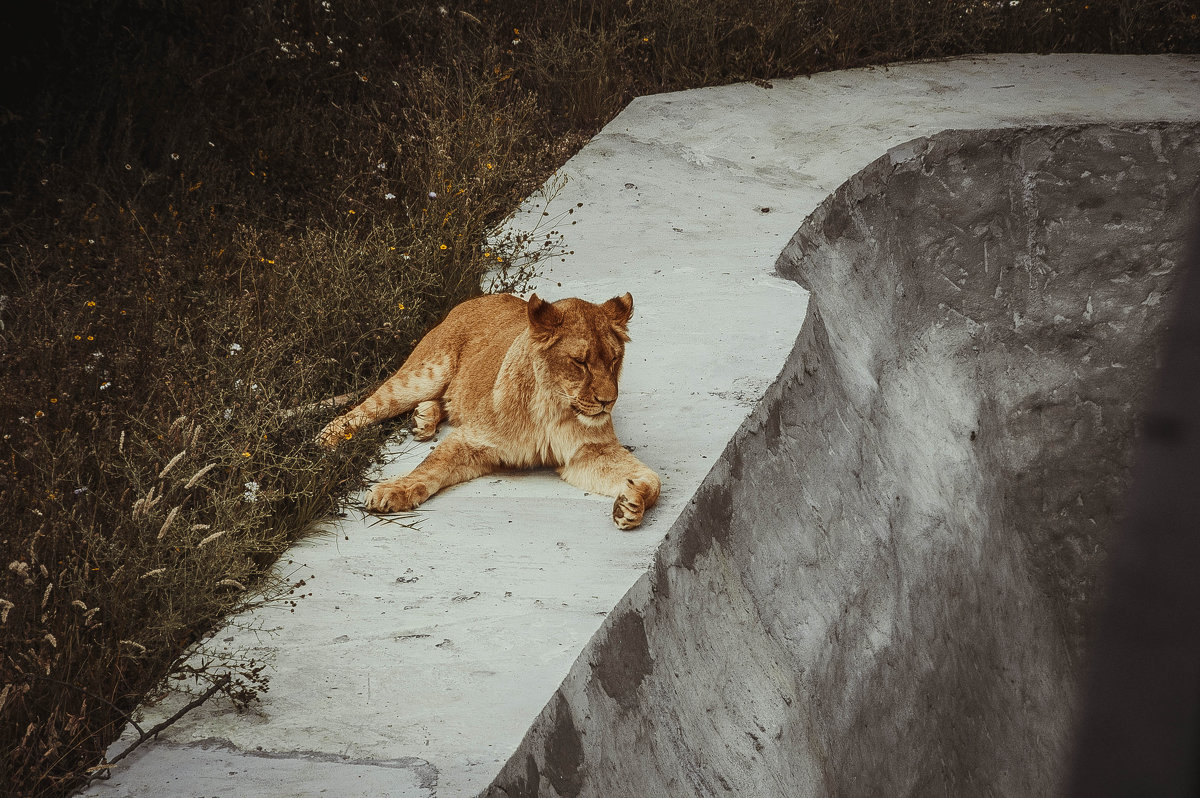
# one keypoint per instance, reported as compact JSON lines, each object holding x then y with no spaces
{"x":176,"y":424}
{"x":155,"y":572}
{"x":170,"y":518}
{"x":198,"y":527}
{"x":79,"y":604}
{"x":45,"y":573}
{"x":46,"y":595}
{"x":199,"y":475}
{"x":4,"y":696}
{"x":142,"y":506}
{"x":5,"y":606}
{"x":210,"y":538}
{"x":49,"y":638}
{"x":133,"y":643}
{"x":87,"y":618}
{"x":121,"y":443}
{"x":171,"y":463}
{"x":231,"y":583}
{"x":195,"y":435}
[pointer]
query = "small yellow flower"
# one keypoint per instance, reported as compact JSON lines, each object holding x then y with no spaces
{"x":443,"y":246}
{"x":245,"y":454}
{"x":348,"y":435}
{"x":91,"y":338}
{"x":351,"y":211}
{"x":78,"y":337}
{"x":53,"y":401}
{"x":489,"y":166}
{"x":38,"y":414}
{"x":400,"y":305}
{"x":91,"y":304}
{"x":487,"y":254}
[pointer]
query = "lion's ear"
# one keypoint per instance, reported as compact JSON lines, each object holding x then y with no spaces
{"x":544,"y":318}
{"x":619,"y":309}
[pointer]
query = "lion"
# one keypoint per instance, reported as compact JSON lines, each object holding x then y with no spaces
{"x":524,"y":384}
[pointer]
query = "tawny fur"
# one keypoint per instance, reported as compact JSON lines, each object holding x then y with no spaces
{"x":524,"y":384}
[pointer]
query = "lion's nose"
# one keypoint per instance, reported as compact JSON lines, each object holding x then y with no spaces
{"x":605,"y":404}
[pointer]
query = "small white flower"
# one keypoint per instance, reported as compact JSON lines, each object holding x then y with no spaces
{"x":228,"y":414}
{"x":104,"y":386}
{"x":381,"y":166}
{"x":79,"y":491}
{"x":237,"y":383}
{"x":174,"y":156}
{"x":516,"y":41}
{"x":91,"y":241}
{"x":443,"y":11}
{"x":97,"y":355}
{"x":389,"y":196}
{"x":433,"y":195}
{"x":254,"y":386}
{"x":235,"y":348}
{"x":251,"y":494}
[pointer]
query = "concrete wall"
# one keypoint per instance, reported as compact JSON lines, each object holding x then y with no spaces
{"x":883,"y":585}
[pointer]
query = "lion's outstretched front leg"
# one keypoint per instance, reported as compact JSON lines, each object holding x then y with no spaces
{"x":610,"y":469}
{"x":454,"y":460}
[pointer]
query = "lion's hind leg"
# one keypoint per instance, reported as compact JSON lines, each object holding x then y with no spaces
{"x":419,"y":382}
{"x":454,"y":460}
{"x":426,"y":418}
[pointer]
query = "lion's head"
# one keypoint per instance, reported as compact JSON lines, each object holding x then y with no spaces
{"x":582,"y":346}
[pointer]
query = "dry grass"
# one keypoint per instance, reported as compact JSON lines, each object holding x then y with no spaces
{"x":221,"y":211}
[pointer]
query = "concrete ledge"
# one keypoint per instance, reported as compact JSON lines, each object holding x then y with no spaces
{"x":441,"y":645}
{"x":880,"y":588}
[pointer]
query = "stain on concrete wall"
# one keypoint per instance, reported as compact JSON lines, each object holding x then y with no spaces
{"x":883,"y":587}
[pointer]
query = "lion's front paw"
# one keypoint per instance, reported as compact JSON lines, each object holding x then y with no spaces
{"x":628,"y":509}
{"x":396,"y":497}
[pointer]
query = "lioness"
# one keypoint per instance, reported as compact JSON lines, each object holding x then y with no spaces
{"x":524,"y":384}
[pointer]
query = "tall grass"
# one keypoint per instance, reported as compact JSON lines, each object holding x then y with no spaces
{"x":219,"y":212}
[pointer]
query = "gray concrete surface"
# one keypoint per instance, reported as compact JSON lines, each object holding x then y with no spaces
{"x":880,"y":588}
{"x":426,"y":654}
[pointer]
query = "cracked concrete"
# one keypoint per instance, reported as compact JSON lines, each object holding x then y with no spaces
{"x":749,"y":640}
